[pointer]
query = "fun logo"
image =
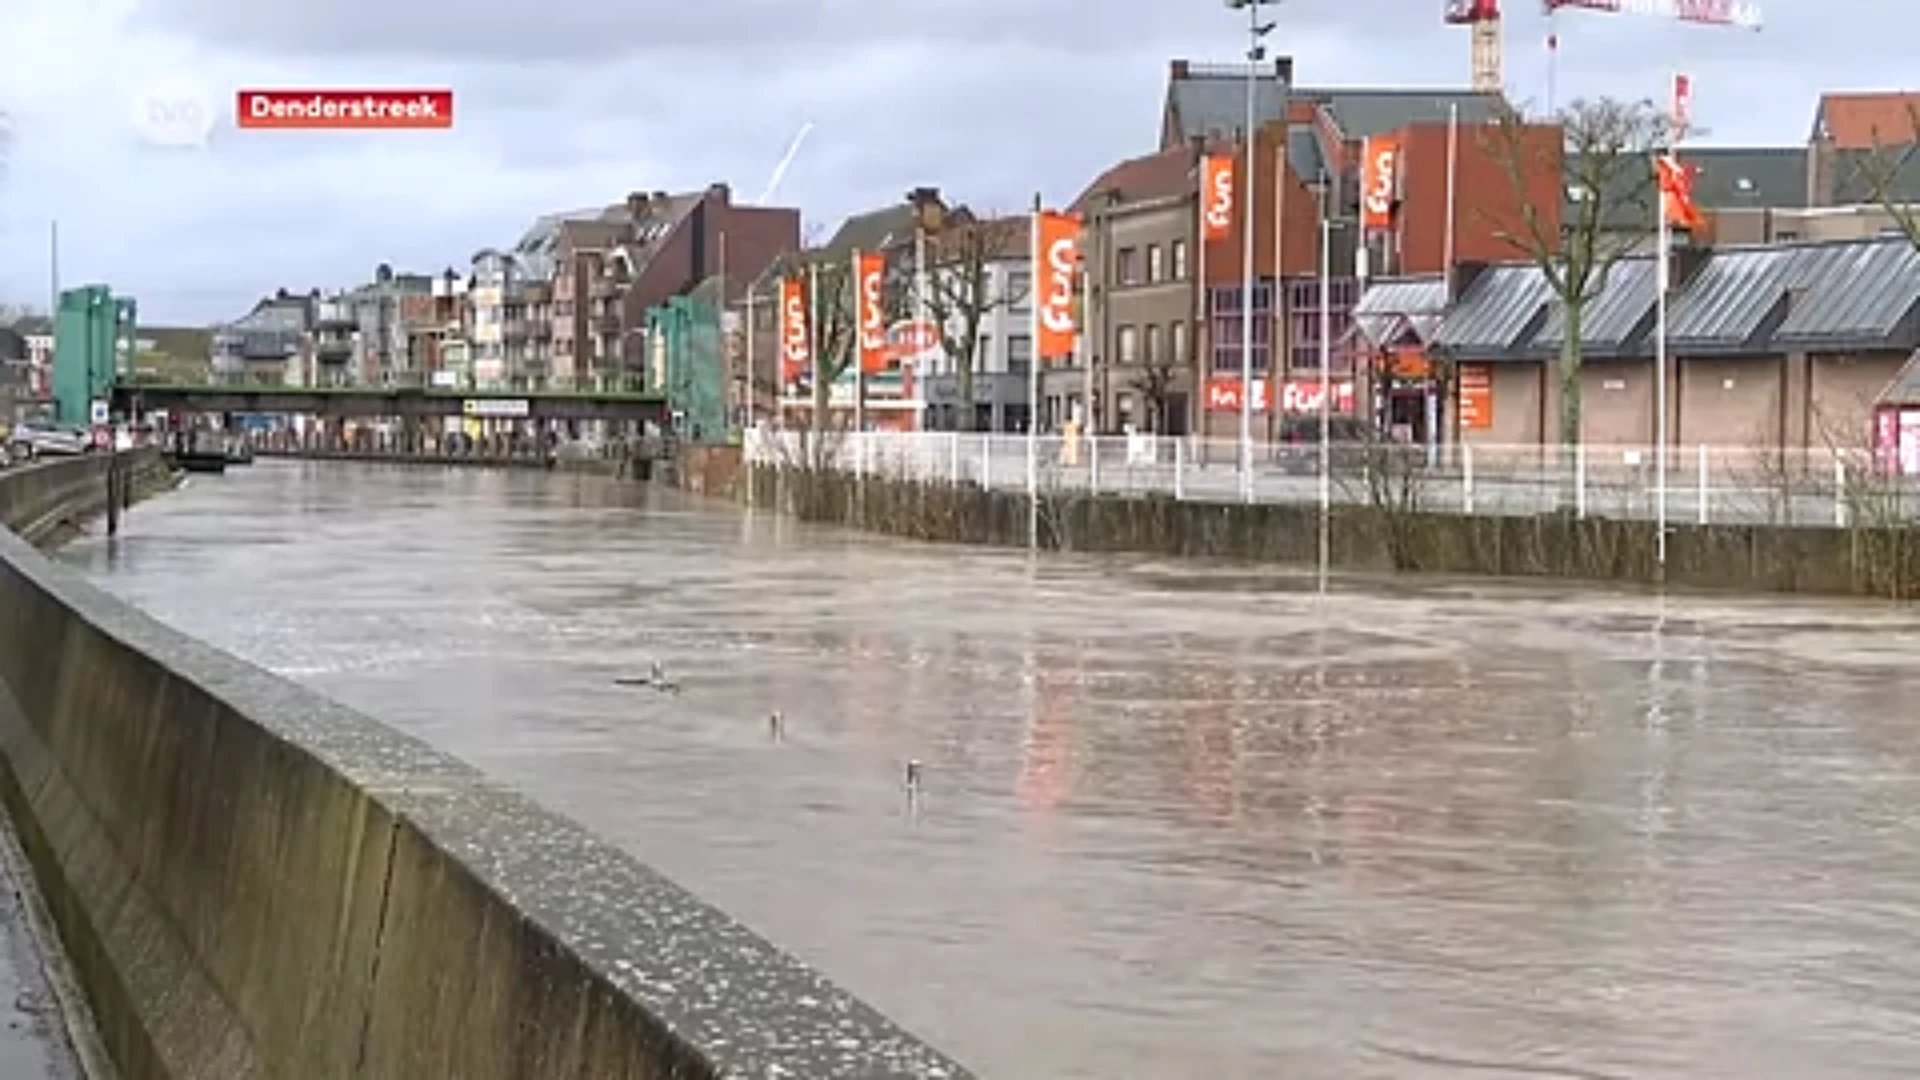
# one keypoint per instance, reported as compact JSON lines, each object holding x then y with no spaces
{"x":174,"y":113}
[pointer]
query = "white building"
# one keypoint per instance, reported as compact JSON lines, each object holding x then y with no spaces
{"x":1002,"y":363}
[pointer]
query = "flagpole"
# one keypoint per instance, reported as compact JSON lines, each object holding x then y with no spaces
{"x":1244,"y":201}
{"x":1326,"y":388}
{"x":813,"y":348}
{"x":859,"y":344}
{"x":1033,"y":386}
{"x":1436,"y":410}
{"x":1662,"y":283}
{"x":1203,"y":326}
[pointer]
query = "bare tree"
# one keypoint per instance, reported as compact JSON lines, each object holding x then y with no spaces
{"x":1891,"y":172}
{"x":1604,"y":154}
{"x":964,"y":292}
{"x":1154,"y":383}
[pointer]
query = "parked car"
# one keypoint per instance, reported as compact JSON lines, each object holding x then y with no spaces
{"x":43,"y":440}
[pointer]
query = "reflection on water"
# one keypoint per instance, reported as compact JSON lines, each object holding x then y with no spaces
{"x":1174,"y":821}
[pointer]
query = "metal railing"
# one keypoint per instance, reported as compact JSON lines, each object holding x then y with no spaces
{"x":1815,"y":486}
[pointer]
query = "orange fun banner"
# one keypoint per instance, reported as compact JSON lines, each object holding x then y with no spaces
{"x":796,"y":343}
{"x":871,"y":272}
{"x":1056,"y":245}
{"x":1216,"y":198}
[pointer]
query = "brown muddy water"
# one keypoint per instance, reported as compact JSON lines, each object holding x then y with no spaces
{"x":1176,"y":821}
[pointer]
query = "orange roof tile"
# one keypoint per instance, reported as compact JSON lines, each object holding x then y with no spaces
{"x":1863,"y":121}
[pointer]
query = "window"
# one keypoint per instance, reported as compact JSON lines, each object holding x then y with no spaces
{"x":1156,"y":271}
{"x":1179,"y":260}
{"x":1019,"y":354}
{"x":1127,"y":344}
{"x":1019,"y":290}
{"x":1177,"y":343}
{"x":1785,"y":236}
{"x":1152,"y":354}
{"x":1127,"y":266}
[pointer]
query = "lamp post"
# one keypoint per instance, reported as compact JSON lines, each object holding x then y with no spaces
{"x":929,"y":217}
{"x":1256,"y":52}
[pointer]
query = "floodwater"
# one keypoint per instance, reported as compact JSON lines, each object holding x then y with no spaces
{"x":1176,"y":821}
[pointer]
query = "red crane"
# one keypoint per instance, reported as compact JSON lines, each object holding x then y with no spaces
{"x":1484,"y":17}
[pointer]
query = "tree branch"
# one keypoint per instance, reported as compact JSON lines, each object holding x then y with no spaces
{"x":1887,"y":169}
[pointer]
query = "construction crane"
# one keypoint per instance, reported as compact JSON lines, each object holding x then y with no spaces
{"x":1483,"y":17}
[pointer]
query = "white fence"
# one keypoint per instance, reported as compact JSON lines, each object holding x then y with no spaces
{"x":1704,"y":484}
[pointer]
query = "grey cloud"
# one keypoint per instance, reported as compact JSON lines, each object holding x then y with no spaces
{"x":726,"y":32}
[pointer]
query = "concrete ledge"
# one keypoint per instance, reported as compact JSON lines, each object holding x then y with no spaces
{"x":252,"y":881}
{"x":1881,"y":561}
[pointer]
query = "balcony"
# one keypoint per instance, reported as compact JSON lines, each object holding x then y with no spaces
{"x":333,"y":352}
{"x":603,"y":288}
{"x":607,"y":323}
{"x":332,"y":313}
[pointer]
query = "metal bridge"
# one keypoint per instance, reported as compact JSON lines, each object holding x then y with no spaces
{"x":133,"y":398}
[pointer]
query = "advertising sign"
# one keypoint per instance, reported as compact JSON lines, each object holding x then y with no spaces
{"x":1476,"y":397}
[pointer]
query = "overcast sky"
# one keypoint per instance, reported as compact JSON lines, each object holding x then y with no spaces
{"x":568,"y":103}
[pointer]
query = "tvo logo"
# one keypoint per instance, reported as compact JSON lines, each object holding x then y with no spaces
{"x":1056,"y":308}
{"x":174,"y":113}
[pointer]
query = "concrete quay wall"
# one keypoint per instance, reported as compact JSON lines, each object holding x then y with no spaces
{"x":1878,"y":561}
{"x":252,"y":881}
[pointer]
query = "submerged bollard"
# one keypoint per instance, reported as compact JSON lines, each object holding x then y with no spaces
{"x":113,"y":495}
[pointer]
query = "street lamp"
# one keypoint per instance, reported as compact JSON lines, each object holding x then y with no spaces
{"x":1256,"y":52}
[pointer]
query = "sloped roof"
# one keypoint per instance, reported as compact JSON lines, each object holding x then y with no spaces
{"x":1832,"y":296}
{"x":1392,"y":308}
{"x":1152,"y":176}
{"x":1729,"y":301}
{"x":1875,"y":176}
{"x":1363,"y":111}
{"x":1738,"y":177}
{"x":1905,"y":388}
{"x":1210,"y":100}
{"x":1492,"y":319}
{"x":1862,"y":121}
{"x":1615,"y":320}
{"x":1845,"y":294}
{"x":873,"y":230}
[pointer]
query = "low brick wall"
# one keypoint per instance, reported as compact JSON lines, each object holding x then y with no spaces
{"x":1882,"y":562}
{"x":252,"y":881}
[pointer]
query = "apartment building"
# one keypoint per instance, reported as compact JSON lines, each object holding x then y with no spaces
{"x":993,"y":395}
{"x":1135,"y":365}
{"x":270,"y":345}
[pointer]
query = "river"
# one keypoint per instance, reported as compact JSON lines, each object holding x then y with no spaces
{"x":1175,"y":820}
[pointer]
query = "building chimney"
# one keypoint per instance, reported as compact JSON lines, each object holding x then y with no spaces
{"x":1177,"y":70}
{"x":659,"y":196}
{"x":720,"y":193}
{"x":1687,"y":260}
{"x":1462,"y":277}
{"x":637,"y":204}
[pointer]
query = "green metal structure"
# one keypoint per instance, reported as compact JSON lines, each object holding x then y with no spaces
{"x":686,"y":361}
{"x":95,"y":338}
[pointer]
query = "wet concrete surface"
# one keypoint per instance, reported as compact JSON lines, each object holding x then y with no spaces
{"x":1177,"y":821}
{"x":33,"y":1035}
